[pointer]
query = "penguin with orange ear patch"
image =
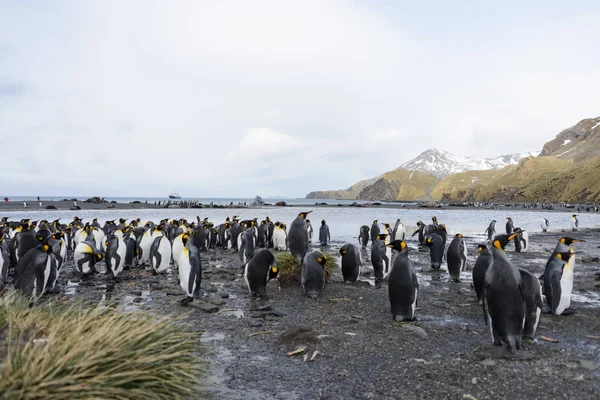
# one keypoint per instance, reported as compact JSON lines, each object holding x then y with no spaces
{"x":35,"y":270}
{"x":261,"y":268}
{"x":313,"y":274}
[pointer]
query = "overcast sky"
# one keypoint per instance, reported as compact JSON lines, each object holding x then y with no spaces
{"x":221,"y":98}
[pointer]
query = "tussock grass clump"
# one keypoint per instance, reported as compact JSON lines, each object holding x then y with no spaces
{"x":289,"y":269}
{"x":55,"y":351}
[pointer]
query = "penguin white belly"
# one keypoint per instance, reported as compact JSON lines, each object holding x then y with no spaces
{"x":239,"y":240}
{"x":47,"y":270}
{"x":525,"y":243}
{"x":388,"y":253}
{"x":464,"y":262}
{"x":122,"y":252}
{"x":80,"y":252}
{"x":566,"y":287}
{"x":574,"y":224}
{"x":177,"y":249}
{"x":145,"y":244}
{"x":77,"y":236}
{"x":99,"y":238}
{"x":63,"y":254}
{"x":401,"y":232}
{"x":246,"y":278}
{"x":279,"y":239}
{"x":165,"y":251}
{"x":185,"y":269}
{"x":414,"y":304}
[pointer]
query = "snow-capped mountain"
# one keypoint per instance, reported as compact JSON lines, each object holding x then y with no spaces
{"x":441,"y":163}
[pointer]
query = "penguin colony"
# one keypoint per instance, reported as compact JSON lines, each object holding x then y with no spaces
{"x":511,"y":298}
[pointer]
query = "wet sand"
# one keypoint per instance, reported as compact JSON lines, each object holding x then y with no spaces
{"x":362,"y":353}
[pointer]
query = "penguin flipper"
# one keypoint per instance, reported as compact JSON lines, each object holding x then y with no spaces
{"x":484,"y":304}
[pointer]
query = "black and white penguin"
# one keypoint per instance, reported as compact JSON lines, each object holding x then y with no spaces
{"x":324,"y":235}
{"x":280,"y":236}
{"x":379,"y":258}
{"x":574,"y":222}
{"x":363,"y":236}
{"x":270,"y":229}
{"x":563,"y":246}
{"x":483,"y":262}
{"x":85,"y":257}
{"x":4,"y":262}
{"x":297,"y":238}
{"x":25,"y":240}
{"x":260,"y":270}
{"x":420,"y":232}
{"x":521,"y":240}
{"x":545,"y":225}
{"x":35,"y":270}
{"x":436,"y":250}
{"x":558,"y":283}
{"x":160,"y":251}
{"x":262,"y":234}
{"x":246,"y":250}
{"x":309,"y":230}
{"x":116,"y":250}
{"x":456,"y":257}
{"x":399,"y":231}
{"x":190,"y":269}
{"x":144,"y":245}
{"x":403,"y":286}
{"x":59,"y":248}
{"x":441,"y":230}
{"x":509,"y":225}
{"x":351,"y":262}
{"x":313,"y":274}
{"x":375,"y":230}
{"x":491,"y":230}
{"x":533,"y":302}
{"x":504,"y":297}
{"x":201,"y":237}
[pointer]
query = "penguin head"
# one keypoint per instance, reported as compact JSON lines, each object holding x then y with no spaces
{"x":375,"y":222}
{"x":227,"y":225}
{"x":308,"y":221}
{"x":24,"y":227}
{"x":494,"y":221}
{"x":398,"y":245}
{"x":458,"y":235}
{"x":4,"y":219}
{"x":58,"y":235}
{"x":323,"y":222}
{"x":321,"y":259}
{"x":442,"y":227}
{"x":418,"y":223}
{"x":343,"y":250}
{"x":99,"y":256}
{"x":509,"y":218}
{"x":382,"y":236}
{"x":500,"y":241}
{"x":273,"y":269}
{"x":47,"y":248}
{"x":569,"y":241}
{"x":386,"y":225}
{"x":566,"y":256}
{"x":434,"y":219}
{"x":184,"y":238}
{"x":481,"y":247}
{"x":263,"y":222}
{"x":574,"y":215}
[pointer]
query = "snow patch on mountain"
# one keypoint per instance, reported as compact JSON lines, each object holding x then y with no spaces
{"x":441,"y":163}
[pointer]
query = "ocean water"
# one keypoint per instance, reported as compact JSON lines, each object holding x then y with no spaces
{"x":344,"y":222}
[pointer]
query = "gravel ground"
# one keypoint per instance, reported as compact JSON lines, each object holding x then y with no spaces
{"x":362,"y":353}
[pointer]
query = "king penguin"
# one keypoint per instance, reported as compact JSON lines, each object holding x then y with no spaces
{"x":298,"y":237}
{"x":558,"y":283}
{"x":35,"y":270}
{"x":457,"y":257}
{"x":533,"y":303}
{"x":4,"y":262}
{"x":351,"y":262}
{"x":399,"y":232}
{"x":260,"y":270}
{"x":563,"y":246}
{"x":363,"y":236}
{"x":403,"y":286}
{"x":374,"y":230}
{"x":160,"y":251}
{"x":436,"y":250}
{"x":545,"y":225}
{"x":420,"y":231}
{"x":190,"y":269}
{"x":279,"y":236}
{"x":509,"y":226}
{"x":481,"y":266}
{"x":313,"y":274}
{"x":379,"y":258}
{"x":504,"y":297}
{"x":491,"y":230}
{"x":85,"y":257}
{"x":574,"y":222}
{"x":116,"y":250}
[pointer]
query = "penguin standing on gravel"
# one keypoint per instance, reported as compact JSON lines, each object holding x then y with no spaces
{"x":246,"y":251}
{"x":533,"y":302}
{"x":403,"y":286}
{"x":456,"y":257}
{"x":504,"y":297}
{"x":313,"y":274}
{"x":436,"y":250}
{"x":363,"y":236}
{"x":374,"y":230}
{"x":563,"y":246}
{"x":280,"y":236}
{"x":35,"y":270}
{"x":116,"y":250}
{"x":309,"y":229}
{"x":351,"y":262}
{"x":324,"y":235}
{"x":545,"y":225}
{"x":298,"y":237}
{"x":190,"y":269}
{"x":379,"y":258}
{"x":558,"y":283}
{"x":509,"y":226}
{"x":521,"y":241}
{"x":491,"y":230}
{"x":574,"y":222}
{"x":259,"y":270}
{"x":420,"y":231}
{"x":160,"y":251}
{"x":85,"y":257}
{"x":399,"y":231}
{"x":481,"y":266}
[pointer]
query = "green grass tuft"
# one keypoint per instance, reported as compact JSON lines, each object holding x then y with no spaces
{"x":54,"y":351}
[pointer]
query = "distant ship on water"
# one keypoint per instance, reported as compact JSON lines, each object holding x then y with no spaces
{"x":174,"y":196}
